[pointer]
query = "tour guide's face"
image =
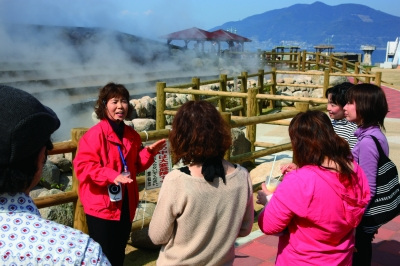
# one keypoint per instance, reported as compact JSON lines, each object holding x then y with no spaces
{"x":117,"y":109}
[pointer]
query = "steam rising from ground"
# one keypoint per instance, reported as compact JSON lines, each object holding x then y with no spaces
{"x":65,"y":66}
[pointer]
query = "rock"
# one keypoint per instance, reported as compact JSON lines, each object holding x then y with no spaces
{"x":141,"y":124}
{"x":62,"y":213}
{"x":335,"y":80}
{"x":140,"y":237}
{"x":61,"y":162}
{"x":239,"y":142}
{"x":317,"y":93}
{"x":50,"y":174}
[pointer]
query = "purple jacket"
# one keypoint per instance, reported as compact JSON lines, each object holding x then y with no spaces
{"x":366,"y":153}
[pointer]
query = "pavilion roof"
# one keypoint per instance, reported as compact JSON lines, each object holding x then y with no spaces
{"x":188,"y":34}
{"x":223,"y":35}
{"x":196,"y":34}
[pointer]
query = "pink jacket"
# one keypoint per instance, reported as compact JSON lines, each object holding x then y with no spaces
{"x":98,"y":163}
{"x":318,"y":216}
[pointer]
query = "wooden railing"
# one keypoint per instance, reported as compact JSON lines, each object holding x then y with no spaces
{"x":250,"y":110}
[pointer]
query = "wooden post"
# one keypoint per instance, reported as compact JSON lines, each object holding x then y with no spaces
{"x":160,"y":106}
{"x":196,"y":81}
{"x":299,"y":60}
{"x":356,"y":71}
{"x":222,"y":87}
{"x":261,"y":90}
{"x":273,"y":87}
{"x":244,"y":90}
{"x":273,"y":57}
{"x":79,"y":214}
{"x":317,"y":59}
{"x":302,"y":107}
{"x":227,"y":118}
{"x":304,"y":61}
{"x":378,"y":78}
{"x":326,"y":82}
{"x":331,"y":65}
{"x":251,"y":111}
{"x":344,"y":66}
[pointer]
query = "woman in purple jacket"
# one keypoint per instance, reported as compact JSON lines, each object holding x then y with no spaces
{"x":367,"y":107}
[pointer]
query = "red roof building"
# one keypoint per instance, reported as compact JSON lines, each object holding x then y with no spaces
{"x":235,"y":42}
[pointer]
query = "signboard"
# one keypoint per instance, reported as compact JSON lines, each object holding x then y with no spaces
{"x":159,"y":169}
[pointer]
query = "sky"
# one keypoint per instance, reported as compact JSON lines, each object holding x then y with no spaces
{"x":154,"y":18}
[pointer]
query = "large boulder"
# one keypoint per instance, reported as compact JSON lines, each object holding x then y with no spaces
{"x":239,"y":142}
{"x":142,"y":124}
{"x":140,"y":231}
{"x":50,"y":174}
{"x":62,"y":213}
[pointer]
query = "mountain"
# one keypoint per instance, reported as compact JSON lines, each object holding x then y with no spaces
{"x":345,"y":26}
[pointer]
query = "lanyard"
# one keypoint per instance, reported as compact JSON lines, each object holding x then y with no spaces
{"x":123,"y":160}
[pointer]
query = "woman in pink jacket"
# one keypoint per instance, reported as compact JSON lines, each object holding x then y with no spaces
{"x":317,"y":206}
{"x":109,"y":156}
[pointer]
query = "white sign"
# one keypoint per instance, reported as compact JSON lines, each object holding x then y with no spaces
{"x":159,"y":169}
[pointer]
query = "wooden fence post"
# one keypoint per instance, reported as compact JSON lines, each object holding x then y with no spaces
{"x":299,"y":60}
{"x":273,"y":87}
{"x":378,"y":78}
{"x":160,"y":106}
{"x":222,"y":87}
{"x":196,"y":81}
{"x":304,"y":61}
{"x":331,"y":63}
{"x":79,"y":214}
{"x":317,"y":59}
{"x":344,"y":66}
{"x":326,"y":82}
{"x":261,"y":90}
{"x":356,"y":71}
{"x":251,"y":112}
{"x":244,"y":90}
{"x":227,"y":118}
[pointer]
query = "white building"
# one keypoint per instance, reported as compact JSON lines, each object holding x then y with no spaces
{"x":392,"y":55}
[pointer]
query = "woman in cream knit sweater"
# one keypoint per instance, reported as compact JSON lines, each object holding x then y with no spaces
{"x":204,"y":206}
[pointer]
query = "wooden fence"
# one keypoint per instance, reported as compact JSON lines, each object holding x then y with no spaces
{"x":250,"y":110}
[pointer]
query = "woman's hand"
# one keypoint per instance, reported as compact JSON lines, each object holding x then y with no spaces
{"x":156,"y":147}
{"x":123,"y":178}
{"x":286,"y":168}
{"x":262,"y":195}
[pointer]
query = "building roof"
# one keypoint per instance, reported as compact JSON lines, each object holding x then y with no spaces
{"x":189,"y":34}
{"x":196,"y":34}
{"x":223,"y":35}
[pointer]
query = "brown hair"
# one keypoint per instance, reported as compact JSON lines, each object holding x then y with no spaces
{"x":371,"y":104}
{"x":313,"y":139}
{"x":199,"y":132}
{"x":107,"y":92}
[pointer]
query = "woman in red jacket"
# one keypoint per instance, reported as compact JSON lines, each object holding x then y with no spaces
{"x":109,"y":156}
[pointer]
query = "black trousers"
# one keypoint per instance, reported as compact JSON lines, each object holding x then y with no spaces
{"x":363,"y":255}
{"x":112,"y":235}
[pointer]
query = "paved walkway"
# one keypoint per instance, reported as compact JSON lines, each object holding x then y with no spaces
{"x":260,"y":249}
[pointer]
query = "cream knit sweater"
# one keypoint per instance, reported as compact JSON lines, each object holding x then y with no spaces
{"x":197,"y":222}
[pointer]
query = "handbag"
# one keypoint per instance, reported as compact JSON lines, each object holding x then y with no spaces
{"x":385,"y":205}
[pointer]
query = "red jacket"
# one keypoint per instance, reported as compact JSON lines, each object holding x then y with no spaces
{"x":98,"y":163}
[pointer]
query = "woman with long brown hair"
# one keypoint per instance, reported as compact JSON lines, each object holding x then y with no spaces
{"x":318,"y":205}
